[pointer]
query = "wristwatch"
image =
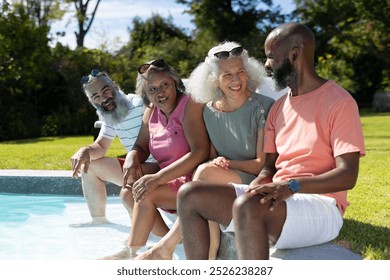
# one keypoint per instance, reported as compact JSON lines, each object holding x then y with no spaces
{"x":293,"y":185}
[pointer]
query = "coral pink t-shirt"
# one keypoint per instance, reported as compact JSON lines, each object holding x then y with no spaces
{"x":310,"y":130}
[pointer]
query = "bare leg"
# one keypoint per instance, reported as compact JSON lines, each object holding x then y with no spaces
{"x":145,"y":213}
{"x":197,"y":203}
{"x":209,"y":172}
{"x":159,"y":228}
{"x":165,"y":248}
{"x":94,"y":189}
{"x":145,"y":218}
{"x":215,"y":240}
{"x":255,"y":226}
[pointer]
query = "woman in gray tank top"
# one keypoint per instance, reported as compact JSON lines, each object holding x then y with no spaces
{"x":234,"y":116}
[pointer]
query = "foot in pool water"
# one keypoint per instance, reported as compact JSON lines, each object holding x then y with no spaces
{"x":95,"y":221}
{"x":124,"y":254}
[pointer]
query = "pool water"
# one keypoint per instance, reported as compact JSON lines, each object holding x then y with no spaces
{"x":36,"y":227}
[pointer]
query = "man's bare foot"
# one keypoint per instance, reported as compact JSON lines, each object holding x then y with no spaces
{"x":155,"y":253}
{"x":95,"y":221}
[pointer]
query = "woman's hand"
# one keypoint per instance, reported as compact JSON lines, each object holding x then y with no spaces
{"x":132,"y":169}
{"x":144,"y":186}
{"x":222,"y":162}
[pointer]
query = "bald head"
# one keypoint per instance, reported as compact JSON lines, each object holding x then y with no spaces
{"x":290,"y":58}
{"x":293,"y":35}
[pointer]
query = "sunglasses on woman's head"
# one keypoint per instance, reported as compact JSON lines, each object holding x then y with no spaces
{"x":159,"y":63}
{"x":94,"y":73}
{"x":225,"y":54}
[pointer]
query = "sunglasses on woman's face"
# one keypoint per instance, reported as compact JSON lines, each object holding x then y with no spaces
{"x":94,"y":73}
{"x":159,"y":63}
{"x":225,"y":54}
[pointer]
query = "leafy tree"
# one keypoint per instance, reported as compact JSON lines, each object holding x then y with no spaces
{"x":157,"y":37}
{"x":353,"y":42}
{"x":42,"y":11}
{"x":84,"y":19}
{"x":24,"y":69}
{"x":243,"y":21}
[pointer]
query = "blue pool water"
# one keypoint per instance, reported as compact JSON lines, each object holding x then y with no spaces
{"x":17,"y":209}
{"x":36,"y":227}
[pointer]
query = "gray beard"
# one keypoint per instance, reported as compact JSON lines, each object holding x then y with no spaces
{"x":117,"y":115}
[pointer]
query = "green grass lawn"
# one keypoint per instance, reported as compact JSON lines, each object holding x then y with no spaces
{"x":48,"y":153}
{"x":367,"y":221}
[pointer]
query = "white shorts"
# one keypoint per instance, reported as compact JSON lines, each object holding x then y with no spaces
{"x":311,"y":219}
{"x":240,"y":189}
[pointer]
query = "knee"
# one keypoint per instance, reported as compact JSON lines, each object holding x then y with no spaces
{"x":246,"y":206}
{"x":187,"y":194}
{"x":92,"y":169}
{"x":203,"y":172}
{"x":185,"y":191}
{"x":126,"y":196}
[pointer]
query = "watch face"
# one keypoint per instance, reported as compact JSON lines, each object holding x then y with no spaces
{"x":294,"y":186}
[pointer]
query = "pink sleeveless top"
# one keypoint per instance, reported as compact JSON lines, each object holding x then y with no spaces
{"x":167,"y":141}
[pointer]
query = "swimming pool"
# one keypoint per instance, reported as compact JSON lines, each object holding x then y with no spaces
{"x":36,"y":227}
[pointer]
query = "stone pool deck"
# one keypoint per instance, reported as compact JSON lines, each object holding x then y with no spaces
{"x":61,"y":183}
{"x":44,"y":182}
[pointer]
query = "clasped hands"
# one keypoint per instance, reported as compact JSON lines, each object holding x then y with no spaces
{"x":272,"y":192}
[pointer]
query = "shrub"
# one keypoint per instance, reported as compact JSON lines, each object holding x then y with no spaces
{"x":381,"y":102}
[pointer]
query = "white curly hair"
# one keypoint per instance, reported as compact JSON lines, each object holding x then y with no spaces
{"x":201,"y":83}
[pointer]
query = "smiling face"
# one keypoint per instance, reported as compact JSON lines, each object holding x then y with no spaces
{"x":112,"y":105}
{"x":102,"y":94}
{"x":233,"y":78}
{"x":161,"y":91}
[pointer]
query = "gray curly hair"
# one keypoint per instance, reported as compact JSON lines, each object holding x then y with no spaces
{"x":201,"y":83}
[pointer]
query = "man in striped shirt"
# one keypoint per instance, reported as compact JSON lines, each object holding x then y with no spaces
{"x":121,"y":116}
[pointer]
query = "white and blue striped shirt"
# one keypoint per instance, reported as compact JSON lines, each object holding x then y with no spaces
{"x":128,"y":129}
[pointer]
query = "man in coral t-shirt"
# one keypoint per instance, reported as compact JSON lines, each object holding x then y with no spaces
{"x":313,"y":141}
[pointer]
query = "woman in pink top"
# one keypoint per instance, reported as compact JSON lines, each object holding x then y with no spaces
{"x":173,"y":132}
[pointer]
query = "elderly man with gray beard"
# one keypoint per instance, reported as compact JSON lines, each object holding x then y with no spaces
{"x":121,"y":116}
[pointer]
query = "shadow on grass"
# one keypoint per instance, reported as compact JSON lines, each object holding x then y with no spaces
{"x":371,"y":113}
{"x":370,"y":241}
{"x":33,"y":140}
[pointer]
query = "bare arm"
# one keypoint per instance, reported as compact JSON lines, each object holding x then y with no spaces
{"x":213,"y":152}
{"x":84,"y":155}
{"x":132,"y":170}
{"x":252,"y":166}
{"x":341,"y":178}
{"x":197,"y":137}
{"x":141,"y":145}
{"x":267,"y":172}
